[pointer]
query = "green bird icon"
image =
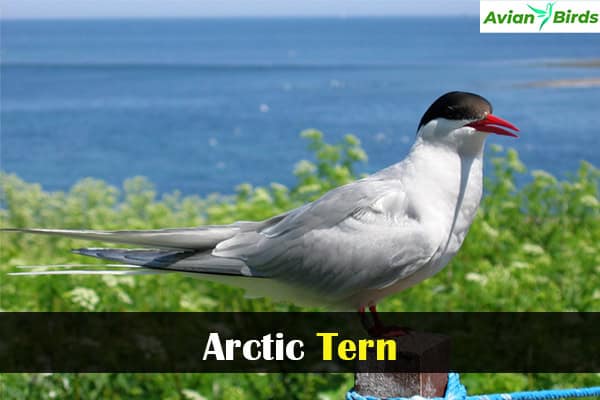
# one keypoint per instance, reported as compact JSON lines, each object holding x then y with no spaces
{"x":545,"y":14}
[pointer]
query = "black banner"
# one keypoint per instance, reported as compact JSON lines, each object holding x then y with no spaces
{"x":298,"y":342}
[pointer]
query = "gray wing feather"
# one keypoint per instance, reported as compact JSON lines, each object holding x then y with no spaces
{"x":326,"y":212}
{"x":333,"y":207}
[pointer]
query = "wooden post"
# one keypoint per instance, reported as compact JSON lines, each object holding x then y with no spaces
{"x":417,"y":352}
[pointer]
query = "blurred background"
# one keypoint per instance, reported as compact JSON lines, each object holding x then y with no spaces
{"x":203,"y":96}
{"x":217,"y":94}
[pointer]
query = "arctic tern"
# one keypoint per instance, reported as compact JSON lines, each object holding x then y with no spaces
{"x":352,"y":247}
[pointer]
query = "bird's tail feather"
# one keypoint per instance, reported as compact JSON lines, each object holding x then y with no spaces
{"x":182,"y":250}
{"x":171,"y":260}
{"x":89,"y":269}
{"x":93,"y":266}
{"x":141,"y":271}
{"x":182,"y":238}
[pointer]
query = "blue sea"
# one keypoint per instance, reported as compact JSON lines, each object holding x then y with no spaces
{"x":201,"y":105}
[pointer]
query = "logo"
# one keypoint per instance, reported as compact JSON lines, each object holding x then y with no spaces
{"x":563,"y":16}
{"x":544,"y":14}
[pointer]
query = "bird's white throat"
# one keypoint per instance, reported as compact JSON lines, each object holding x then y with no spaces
{"x":453,"y":134}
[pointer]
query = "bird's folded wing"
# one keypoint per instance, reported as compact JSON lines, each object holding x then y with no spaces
{"x":358,"y":236}
{"x":337,"y":205}
{"x":324,"y":213}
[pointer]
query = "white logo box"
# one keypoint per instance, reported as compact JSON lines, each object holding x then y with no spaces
{"x":562,"y":16}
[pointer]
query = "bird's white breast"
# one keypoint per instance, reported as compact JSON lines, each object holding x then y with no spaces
{"x":433,"y":177}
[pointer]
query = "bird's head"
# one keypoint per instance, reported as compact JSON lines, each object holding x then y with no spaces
{"x":462,"y":121}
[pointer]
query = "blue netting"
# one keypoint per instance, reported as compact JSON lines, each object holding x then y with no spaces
{"x":456,"y":391}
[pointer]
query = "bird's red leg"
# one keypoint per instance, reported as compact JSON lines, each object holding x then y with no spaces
{"x":363,"y":318}
{"x":379,"y":329}
{"x":375,"y":315}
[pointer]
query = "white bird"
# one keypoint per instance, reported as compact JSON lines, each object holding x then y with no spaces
{"x":353,"y":246}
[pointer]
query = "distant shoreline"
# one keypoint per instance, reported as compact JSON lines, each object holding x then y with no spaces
{"x":565,"y":83}
{"x":587,"y":82}
{"x":586,"y":63}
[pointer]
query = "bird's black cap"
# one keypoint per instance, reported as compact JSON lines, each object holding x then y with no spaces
{"x":457,"y":105}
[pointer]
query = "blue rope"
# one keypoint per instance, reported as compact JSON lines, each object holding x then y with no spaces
{"x":456,"y":391}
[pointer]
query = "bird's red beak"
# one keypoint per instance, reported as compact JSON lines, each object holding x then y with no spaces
{"x":493,"y":124}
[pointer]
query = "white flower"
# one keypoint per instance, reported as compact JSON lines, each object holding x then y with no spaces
{"x":123,"y":296}
{"x":541,"y":174}
{"x":519,"y":265}
{"x":590,"y":201}
{"x":475,"y":277}
{"x":192,"y":395}
{"x":533,"y":249}
{"x":304,"y":167}
{"x":86,"y":298}
{"x":488,"y":230}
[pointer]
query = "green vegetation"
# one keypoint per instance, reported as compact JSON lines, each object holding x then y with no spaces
{"x":535,"y":247}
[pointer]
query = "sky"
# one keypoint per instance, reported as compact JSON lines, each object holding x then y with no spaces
{"x":24,"y":9}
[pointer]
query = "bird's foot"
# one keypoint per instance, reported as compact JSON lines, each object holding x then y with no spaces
{"x":378,"y":329}
{"x":390,"y":331}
